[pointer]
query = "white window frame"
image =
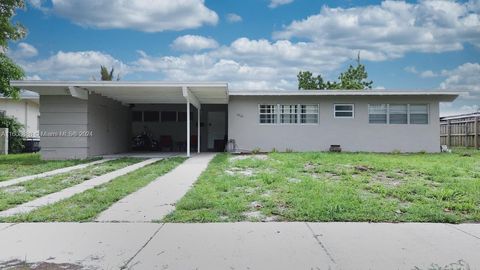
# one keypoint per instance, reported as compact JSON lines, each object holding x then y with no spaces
{"x":277,"y":120}
{"x":299,"y":117}
{"x":408,"y":113}
{"x":387,"y":113}
{"x":343,"y":104}
{"x":280,"y":114}
{"x":428,"y":113}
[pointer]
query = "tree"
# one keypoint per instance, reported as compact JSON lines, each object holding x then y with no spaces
{"x":9,"y":71}
{"x":9,"y":31}
{"x":105,"y":75}
{"x":15,"y":140}
{"x":353,"y":78}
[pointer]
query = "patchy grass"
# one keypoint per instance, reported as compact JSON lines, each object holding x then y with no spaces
{"x":336,"y":187}
{"x":18,"y":165}
{"x":23,"y":192}
{"x":87,"y":205}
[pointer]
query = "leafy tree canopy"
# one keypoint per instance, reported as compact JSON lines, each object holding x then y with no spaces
{"x":9,"y":32}
{"x":355,"y":77}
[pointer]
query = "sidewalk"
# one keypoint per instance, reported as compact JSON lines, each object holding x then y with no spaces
{"x":157,"y":199}
{"x":243,"y":245}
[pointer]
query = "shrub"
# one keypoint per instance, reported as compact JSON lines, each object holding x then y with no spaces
{"x":256,"y":150}
{"x":15,"y":141}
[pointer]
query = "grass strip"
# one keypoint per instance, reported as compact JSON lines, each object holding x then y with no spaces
{"x":18,"y":165}
{"x":87,"y":205}
{"x":27,"y":191}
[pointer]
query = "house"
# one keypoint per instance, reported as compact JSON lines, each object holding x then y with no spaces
{"x":82,"y":119}
{"x":26,"y":110}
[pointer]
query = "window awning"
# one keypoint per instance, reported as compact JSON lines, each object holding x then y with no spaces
{"x":132,"y":92}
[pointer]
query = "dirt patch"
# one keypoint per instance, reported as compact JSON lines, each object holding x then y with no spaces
{"x":22,"y":265}
{"x":363,"y":168}
{"x":240,"y":171}
{"x":14,"y":189}
{"x":242,"y":157}
{"x":386,"y":180}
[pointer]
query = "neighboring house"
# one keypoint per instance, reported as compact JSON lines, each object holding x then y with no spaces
{"x":25,"y":110}
{"x":81,"y":119}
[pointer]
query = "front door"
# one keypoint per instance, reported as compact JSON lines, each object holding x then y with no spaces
{"x":216,"y":130}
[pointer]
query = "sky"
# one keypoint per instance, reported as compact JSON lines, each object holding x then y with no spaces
{"x":257,"y":44}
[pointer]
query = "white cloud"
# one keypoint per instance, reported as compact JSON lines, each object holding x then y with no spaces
{"x":233,"y":18}
{"x":411,"y":69}
{"x":449,"y":109}
{"x":276,"y":3}
{"x":193,"y":43}
{"x":73,"y":65}
{"x":142,"y":15}
{"x":465,"y":77}
{"x":23,"y":50}
{"x":391,"y":29}
{"x":428,"y":74}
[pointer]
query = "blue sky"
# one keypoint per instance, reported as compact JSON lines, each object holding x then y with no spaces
{"x":257,"y":44}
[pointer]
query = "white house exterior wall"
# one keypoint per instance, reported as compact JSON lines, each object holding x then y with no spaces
{"x":353,"y":134}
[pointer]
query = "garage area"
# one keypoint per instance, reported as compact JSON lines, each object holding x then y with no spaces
{"x":87,"y":119}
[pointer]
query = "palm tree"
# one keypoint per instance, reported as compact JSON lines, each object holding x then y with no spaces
{"x":105,"y":75}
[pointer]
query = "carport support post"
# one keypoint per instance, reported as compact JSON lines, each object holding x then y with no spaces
{"x":188,"y":127}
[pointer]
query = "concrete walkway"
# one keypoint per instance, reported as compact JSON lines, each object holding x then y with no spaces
{"x":69,"y":192}
{"x":51,"y":173}
{"x":243,"y":245}
{"x":158,"y":198}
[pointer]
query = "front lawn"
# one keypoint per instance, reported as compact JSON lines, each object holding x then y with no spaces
{"x":87,"y":205}
{"x":336,"y":187}
{"x":14,"y":195}
{"x":18,"y":165}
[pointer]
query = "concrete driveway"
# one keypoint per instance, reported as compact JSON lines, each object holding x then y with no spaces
{"x":243,"y":245}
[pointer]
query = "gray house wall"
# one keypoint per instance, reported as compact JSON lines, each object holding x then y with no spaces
{"x":109,"y":121}
{"x":59,"y":116}
{"x":354,"y":134}
{"x":72,"y":128}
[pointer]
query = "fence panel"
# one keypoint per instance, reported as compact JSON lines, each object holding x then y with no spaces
{"x":463,"y":132}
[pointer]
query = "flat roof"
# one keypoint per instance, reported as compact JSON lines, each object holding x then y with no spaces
{"x":136,"y":92}
{"x":206,"y":92}
{"x":443,"y":95}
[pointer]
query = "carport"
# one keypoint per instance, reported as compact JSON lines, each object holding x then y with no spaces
{"x":114,"y":94}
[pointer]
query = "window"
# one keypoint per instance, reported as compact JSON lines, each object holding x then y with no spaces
{"x":377,"y":113}
{"x":182,"y":116}
{"x":398,"y":113}
{"x":343,"y":110}
{"x":288,"y":114}
{"x":419,"y":114}
{"x":169,"y":116}
{"x":309,"y":114}
{"x":137,"y":116}
{"x":150,"y":116}
{"x":268,"y":114}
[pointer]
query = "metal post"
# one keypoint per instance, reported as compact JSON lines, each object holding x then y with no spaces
{"x":448,"y":134}
{"x":188,"y":128}
{"x":475,"y":129}
{"x":198,"y":131}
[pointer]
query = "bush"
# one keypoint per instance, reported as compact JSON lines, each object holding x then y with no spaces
{"x":15,"y":141}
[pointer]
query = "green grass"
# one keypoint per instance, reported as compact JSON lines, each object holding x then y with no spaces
{"x":336,"y":187}
{"x":18,"y":165}
{"x":87,"y":205}
{"x":23,"y":192}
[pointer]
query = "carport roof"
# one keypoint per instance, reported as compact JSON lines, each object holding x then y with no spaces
{"x":134,"y":92}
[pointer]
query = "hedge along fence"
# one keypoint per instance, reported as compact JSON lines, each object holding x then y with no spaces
{"x":461,"y":131}
{"x":3,"y":141}
{"x":15,"y":141}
